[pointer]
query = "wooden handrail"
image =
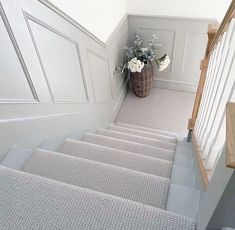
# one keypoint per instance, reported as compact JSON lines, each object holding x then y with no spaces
{"x":224,"y":25}
{"x":230,"y":134}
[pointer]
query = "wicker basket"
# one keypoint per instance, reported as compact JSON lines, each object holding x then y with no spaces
{"x":142,"y":82}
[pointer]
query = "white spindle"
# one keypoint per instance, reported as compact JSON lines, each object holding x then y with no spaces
{"x":218,"y":145}
{"x":206,"y":88}
{"x":210,"y":92}
{"x":222,"y":96}
{"x":222,"y":57}
{"x":210,"y":126}
{"x":209,"y":78}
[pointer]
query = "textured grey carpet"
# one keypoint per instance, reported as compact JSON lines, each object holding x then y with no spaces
{"x":138,"y":139}
{"x":31,"y":202}
{"x":161,"y":132}
{"x":129,"y":146}
{"x":113,"y":180}
{"x":117,"y":157}
{"x":142,"y":133}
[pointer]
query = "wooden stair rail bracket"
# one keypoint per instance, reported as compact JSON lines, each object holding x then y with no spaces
{"x":230,"y":135}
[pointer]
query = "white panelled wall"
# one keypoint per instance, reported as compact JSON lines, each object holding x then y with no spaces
{"x":95,"y":15}
{"x":210,"y":128}
{"x":56,"y":77}
{"x":184,"y":40}
{"x":99,"y":17}
{"x":200,"y":9}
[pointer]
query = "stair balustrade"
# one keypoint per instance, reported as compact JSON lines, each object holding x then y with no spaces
{"x":216,"y":88}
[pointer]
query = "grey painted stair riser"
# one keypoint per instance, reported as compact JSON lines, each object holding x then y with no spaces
{"x":142,"y":133}
{"x":138,"y":139}
{"x":117,"y":181}
{"x":183,"y":201}
{"x":40,"y":203}
{"x":117,"y":157}
{"x":129,"y":146}
{"x":151,"y":130}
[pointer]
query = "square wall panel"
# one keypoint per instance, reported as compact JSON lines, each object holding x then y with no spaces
{"x":15,"y":85}
{"x":99,"y":71}
{"x":60,"y":60}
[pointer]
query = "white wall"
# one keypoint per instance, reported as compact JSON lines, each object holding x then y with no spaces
{"x":210,"y":9}
{"x":99,"y":17}
{"x":57,"y":78}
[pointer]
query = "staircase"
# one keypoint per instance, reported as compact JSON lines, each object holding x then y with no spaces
{"x":122,"y":177}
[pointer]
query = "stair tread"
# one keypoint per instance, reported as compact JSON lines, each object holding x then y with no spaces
{"x":129,"y":146}
{"x":183,"y":176}
{"x":183,"y":151}
{"x":184,"y":145}
{"x":117,"y":157}
{"x":147,"y":129}
{"x":142,"y":133}
{"x":113,"y":180}
{"x":183,"y":201}
{"x":69,"y":207}
{"x":184,"y":161}
{"x":138,"y":139}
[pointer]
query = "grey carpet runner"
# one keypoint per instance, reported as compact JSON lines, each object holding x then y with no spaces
{"x":142,"y":133}
{"x":151,"y":130}
{"x":125,"y":145}
{"x":113,"y":180}
{"x":31,"y":202}
{"x":138,"y":139}
{"x":117,"y":157}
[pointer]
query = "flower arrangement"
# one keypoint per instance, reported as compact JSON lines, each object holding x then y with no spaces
{"x":138,"y":55}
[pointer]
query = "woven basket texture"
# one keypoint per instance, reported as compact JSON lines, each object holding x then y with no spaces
{"x":142,"y":82}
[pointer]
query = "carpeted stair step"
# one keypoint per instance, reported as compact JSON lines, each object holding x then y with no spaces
{"x":113,"y":180}
{"x":138,"y":139}
{"x":142,"y":133}
{"x":117,"y":157}
{"x":129,"y":146}
{"x":161,"y":132}
{"x":32,"y":202}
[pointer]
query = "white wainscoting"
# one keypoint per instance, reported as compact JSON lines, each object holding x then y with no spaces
{"x":55,"y":77}
{"x":184,"y":40}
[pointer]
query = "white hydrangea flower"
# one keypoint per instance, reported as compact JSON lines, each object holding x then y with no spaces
{"x":144,"y":49}
{"x":135,"y":65}
{"x":163,"y":64}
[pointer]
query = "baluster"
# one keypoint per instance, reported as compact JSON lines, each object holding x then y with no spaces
{"x":222,"y":52}
{"x":219,"y":144}
{"x":206,"y":95}
{"x":207,"y":83}
{"x":224,"y":89}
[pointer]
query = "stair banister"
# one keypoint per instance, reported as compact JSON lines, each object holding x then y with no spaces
{"x":215,"y":32}
{"x":216,"y":85}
